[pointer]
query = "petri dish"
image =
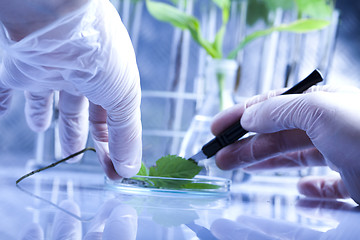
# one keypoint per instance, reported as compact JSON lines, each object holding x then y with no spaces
{"x":200,"y":184}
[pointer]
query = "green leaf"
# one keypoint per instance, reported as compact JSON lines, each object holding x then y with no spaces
{"x":143,"y":170}
{"x":256,"y":10}
{"x":303,"y":25}
{"x":168,"y":183}
{"x":299,"y":26}
{"x":174,"y":167}
{"x":170,"y":14}
{"x":314,"y":8}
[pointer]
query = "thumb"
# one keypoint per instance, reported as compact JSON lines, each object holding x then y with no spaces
{"x":323,"y":187}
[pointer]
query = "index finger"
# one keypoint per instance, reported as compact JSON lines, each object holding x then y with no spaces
{"x":229,"y":116}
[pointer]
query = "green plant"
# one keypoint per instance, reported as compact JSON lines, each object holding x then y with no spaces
{"x":170,"y":14}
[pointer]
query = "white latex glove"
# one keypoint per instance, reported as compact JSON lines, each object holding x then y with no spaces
{"x":318,"y":128}
{"x":81,"y":49}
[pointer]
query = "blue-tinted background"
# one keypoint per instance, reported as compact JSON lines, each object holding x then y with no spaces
{"x":157,"y":47}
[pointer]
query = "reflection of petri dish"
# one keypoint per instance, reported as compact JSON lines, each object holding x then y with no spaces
{"x":198,"y":185}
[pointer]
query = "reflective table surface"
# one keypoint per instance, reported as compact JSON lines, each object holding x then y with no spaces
{"x":76,"y":205}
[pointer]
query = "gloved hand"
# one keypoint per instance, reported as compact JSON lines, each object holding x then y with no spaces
{"x":255,"y":227}
{"x":318,"y":128}
{"x":81,"y":49}
{"x":114,"y":220}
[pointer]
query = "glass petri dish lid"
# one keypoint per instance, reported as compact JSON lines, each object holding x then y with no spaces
{"x":200,"y":184}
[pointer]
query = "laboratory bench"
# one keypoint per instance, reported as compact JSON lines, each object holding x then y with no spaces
{"x":60,"y":204}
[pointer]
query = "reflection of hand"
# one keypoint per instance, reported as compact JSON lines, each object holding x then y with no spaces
{"x":318,"y":128}
{"x":81,"y":49}
{"x":247,"y":227}
{"x":33,"y":232}
{"x":113,"y":221}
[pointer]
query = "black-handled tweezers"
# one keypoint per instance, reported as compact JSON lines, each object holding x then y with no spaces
{"x":234,"y":132}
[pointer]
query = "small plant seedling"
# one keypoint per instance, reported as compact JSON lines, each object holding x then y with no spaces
{"x":168,"y":13}
{"x":318,"y":11}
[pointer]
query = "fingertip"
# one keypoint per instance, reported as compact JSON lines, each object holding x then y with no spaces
{"x":111,"y":173}
{"x":125,"y":146}
{"x":248,"y":119}
{"x":127,"y":170}
{"x":116,"y":169}
{"x":225,"y":160}
{"x":220,"y":163}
